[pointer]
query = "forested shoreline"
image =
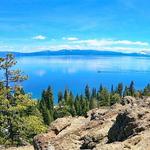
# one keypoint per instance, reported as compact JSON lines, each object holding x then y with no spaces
{"x":21,"y":117}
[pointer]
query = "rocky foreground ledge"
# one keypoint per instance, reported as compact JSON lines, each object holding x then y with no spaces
{"x":124,"y":126}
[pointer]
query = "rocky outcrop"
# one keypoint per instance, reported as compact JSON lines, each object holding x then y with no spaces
{"x":71,"y":133}
{"x":128,"y":123}
{"x":28,"y":147}
{"x":128,"y":100}
{"x":121,"y":127}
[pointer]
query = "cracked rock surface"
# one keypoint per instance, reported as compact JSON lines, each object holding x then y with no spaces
{"x":124,"y":126}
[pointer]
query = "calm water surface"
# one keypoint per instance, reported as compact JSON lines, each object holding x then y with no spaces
{"x":74,"y":72}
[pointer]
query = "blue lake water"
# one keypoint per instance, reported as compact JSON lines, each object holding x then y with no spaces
{"x":74,"y":72}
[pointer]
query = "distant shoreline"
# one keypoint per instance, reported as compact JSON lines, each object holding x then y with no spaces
{"x":74,"y":53}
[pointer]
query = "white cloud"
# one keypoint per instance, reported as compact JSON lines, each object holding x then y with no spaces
{"x":88,"y":47}
{"x":70,"y":38}
{"x":39,"y":37}
{"x":106,"y":42}
{"x":126,"y":42}
{"x":72,"y":43}
{"x":56,"y":47}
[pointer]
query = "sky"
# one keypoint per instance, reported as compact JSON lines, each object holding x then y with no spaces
{"x":111,"y":25}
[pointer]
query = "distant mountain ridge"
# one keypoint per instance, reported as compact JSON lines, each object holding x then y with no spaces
{"x":73,"y":52}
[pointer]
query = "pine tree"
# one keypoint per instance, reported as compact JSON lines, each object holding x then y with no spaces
{"x":126,"y":91}
{"x":146,"y":91}
{"x":115,"y":98}
{"x":46,"y":105}
{"x":11,"y":77}
{"x":71,"y":104}
{"x":77,"y":105}
{"x":112,"y":89}
{"x":15,"y":105}
{"x":94,"y":93}
{"x":49,"y":98}
{"x":84,"y":105}
{"x":99,"y":91}
{"x":87,"y":92}
{"x":104,"y":98}
{"x":66,"y":95}
{"x":120,"y":89}
{"x":45,"y":112}
{"x":60,"y":97}
{"x":131,"y":88}
{"x":100,"y":88}
{"x":93,"y":103}
{"x":93,"y":100}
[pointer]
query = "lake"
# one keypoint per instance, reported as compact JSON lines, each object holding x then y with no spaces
{"x":74,"y":72}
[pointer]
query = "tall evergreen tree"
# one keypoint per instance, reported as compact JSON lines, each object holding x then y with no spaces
{"x":126,"y":91}
{"x":15,"y":105}
{"x":100,"y":88}
{"x":114,"y":98}
{"x":77,"y":105}
{"x":10,"y":80}
{"x":46,"y":105}
{"x":112,"y":89}
{"x":66,"y":95}
{"x":71,"y":104}
{"x":94,"y":93}
{"x":60,"y":96}
{"x":120,"y":89}
{"x":146,"y":91}
{"x":131,"y":88}
{"x":93,"y":103}
{"x":104,"y":98}
{"x":84,"y":105}
{"x":87,"y":92}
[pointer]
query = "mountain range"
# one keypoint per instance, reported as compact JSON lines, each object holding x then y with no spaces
{"x":74,"y":52}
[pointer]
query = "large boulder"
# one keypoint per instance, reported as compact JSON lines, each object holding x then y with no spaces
{"x":137,"y":142}
{"x":42,"y":141}
{"x":60,"y":134}
{"x":128,"y":100}
{"x":128,"y":123}
{"x":60,"y":124}
{"x":123,"y":127}
{"x":96,"y":114}
{"x":73,"y":133}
